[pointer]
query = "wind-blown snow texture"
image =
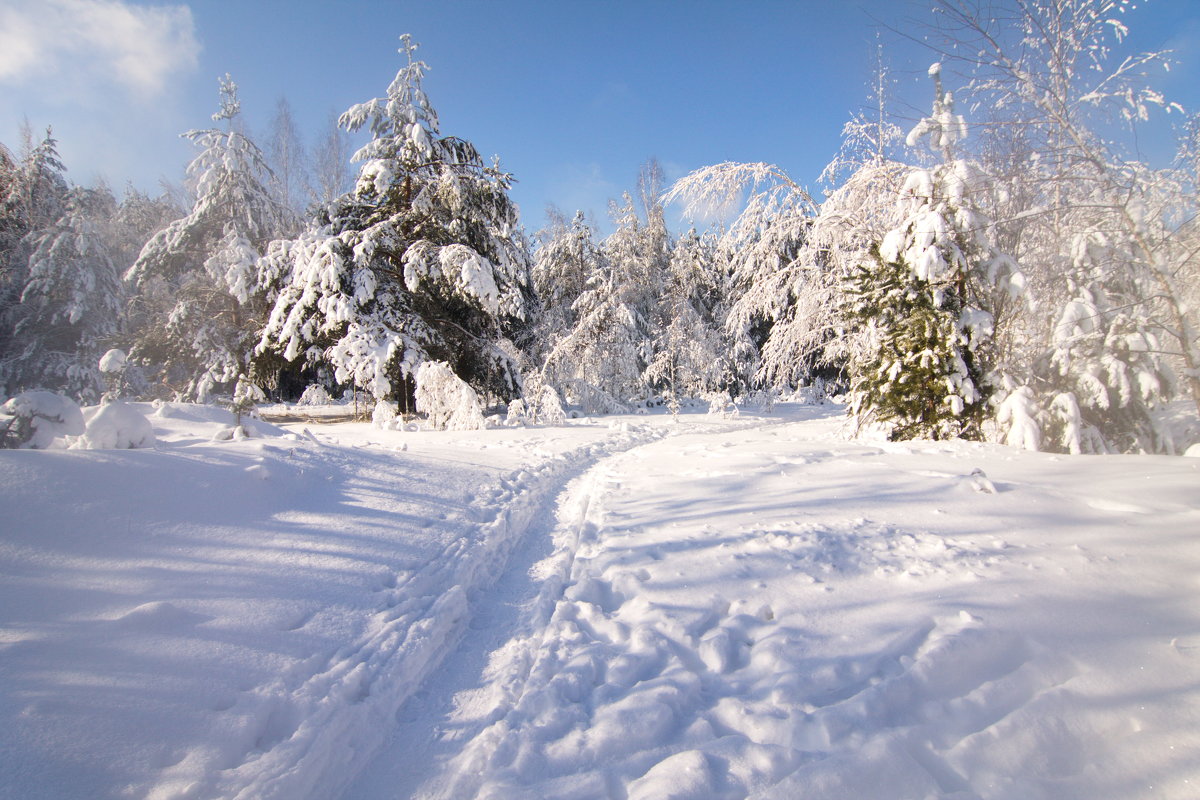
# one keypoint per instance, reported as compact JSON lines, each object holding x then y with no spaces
{"x":747,"y":607}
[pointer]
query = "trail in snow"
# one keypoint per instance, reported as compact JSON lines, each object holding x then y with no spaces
{"x":323,"y":720}
{"x":457,"y":703}
{"x":774,"y":614}
{"x":595,"y":611}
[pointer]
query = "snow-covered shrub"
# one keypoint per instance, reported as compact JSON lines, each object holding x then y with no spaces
{"x":1017,"y":415}
{"x":116,"y":426}
{"x":721,"y":403}
{"x":383,"y":416}
{"x":540,"y":405}
{"x":764,"y":399}
{"x":315,"y":395}
{"x":112,"y":367}
{"x":113,"y":362}
{"x":550,"y":408}
{"x":36,"y":419}
{"x":518,"y":414}
{"x":246,"y":396}
{"x":446,"y":399}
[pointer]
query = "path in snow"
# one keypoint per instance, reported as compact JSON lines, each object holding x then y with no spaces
{"x":774,"y":613}
{"x":737,"y":610}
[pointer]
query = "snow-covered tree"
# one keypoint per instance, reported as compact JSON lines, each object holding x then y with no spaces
{"x":601,"y":361}
{"x":566,"y":256}
{"x":201,"y":298}
{"x":331,"y":173}
{"x":422,"y":261}
{"x":770,"y":282}
{"x":69,"y":307}
{"x":1099,"y":233}
{"x":690,"y":355}
{"x":32,"y":195}
{"x":926,"y":297}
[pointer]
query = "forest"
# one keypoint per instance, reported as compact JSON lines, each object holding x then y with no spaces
{"x":1006,"y":269}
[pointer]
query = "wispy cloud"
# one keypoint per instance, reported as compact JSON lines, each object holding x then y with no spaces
{"x":86,"y":45}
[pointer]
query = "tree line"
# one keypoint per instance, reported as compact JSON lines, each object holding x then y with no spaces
{"x":1020,"y":276}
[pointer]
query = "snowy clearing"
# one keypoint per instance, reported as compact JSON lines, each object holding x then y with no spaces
{"x":621,"y":607}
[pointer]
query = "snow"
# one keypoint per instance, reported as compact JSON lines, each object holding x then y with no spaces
{"x":113,"y":361}
{"x":116,"y":426}
{"x":632,"y":607}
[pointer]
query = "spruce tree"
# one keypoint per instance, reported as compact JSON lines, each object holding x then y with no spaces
{"x":926,"y":295}
{"x":422,"y":261}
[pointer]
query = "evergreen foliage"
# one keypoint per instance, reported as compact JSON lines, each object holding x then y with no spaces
{"x":69,"y":308}
{"x":422,"y":261}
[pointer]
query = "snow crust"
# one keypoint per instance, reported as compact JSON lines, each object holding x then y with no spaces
{"x":715,"y":608}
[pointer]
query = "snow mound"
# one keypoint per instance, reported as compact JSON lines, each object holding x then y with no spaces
{"x":116,"y":426}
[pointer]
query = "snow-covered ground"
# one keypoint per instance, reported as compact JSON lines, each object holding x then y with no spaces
{"x":624,"y":608}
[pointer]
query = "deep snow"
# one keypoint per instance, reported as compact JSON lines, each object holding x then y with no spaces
{"x":625,"y":608}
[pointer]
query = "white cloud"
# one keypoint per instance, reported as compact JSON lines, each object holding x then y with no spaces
{"x":72,"y":46}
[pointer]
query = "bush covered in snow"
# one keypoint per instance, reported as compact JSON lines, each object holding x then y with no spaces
{"x":36,"y":419}
{"x":540,"y":405}
{"x":446,"y":399}
{"x":116,"y":426}
{"x":315,"y":395}
{"x":720,"y":403}
{"x":383,"y":416}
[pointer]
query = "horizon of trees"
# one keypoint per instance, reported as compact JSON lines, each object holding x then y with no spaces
{"x":1013,"y":273}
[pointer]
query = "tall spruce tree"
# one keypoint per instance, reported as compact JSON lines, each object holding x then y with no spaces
{"x":422,"y":261}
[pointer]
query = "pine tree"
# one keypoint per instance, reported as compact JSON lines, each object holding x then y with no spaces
{"x":422,"y":261}
{"x":32,"y":196}
{"x":202,"y":300}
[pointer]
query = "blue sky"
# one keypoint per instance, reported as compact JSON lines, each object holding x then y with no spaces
{"x":572,"y":95}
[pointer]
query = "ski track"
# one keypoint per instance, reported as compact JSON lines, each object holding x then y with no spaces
{"x":310,"y":731}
